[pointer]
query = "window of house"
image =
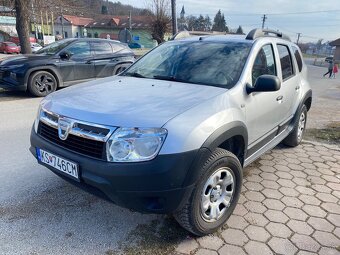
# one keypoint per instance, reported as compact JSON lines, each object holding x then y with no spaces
{"x":286,"y":61}
{"x":298,"y":58}
{"x":77,"y":34}
{"x":264,"y":63}
{"x":66,"y":35}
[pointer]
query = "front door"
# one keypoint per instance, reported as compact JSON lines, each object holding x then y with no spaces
{"x":80,"y":66}
{"x":264,"y":110}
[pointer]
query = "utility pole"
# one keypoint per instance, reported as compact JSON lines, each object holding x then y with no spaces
{"x":298,"y":38}
{"x":130,"y":22}
{"x":264,"y":18}
{"x":174,"y":18}
{"x":62,"y":22}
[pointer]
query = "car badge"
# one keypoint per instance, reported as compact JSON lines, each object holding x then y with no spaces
{"x":64,"y":128}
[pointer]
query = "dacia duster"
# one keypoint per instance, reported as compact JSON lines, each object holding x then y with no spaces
{"x":173,"y":132}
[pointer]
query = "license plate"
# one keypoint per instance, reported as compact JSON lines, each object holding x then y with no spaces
{"x":63,"y":165}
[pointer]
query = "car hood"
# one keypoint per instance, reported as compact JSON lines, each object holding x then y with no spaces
{"x":23,"y":59}
{"x":127,"y":101}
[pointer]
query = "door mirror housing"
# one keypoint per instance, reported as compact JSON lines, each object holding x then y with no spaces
{"x":265,"y":83}
{"x":65,"y":55}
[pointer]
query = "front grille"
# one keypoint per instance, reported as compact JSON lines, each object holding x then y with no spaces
{"x":74,"y":143}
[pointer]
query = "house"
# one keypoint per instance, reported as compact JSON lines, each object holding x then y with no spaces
{"x":7,"y":27}
{"x":71,"y":26}
{"x":336,"y":43}
{"x":106,"y":26}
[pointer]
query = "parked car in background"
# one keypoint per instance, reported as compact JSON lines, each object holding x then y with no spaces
{"x":64,"y":63}
{"x":9,"y":48}
{"x":135,"y":45}
{"x":35,"y":47}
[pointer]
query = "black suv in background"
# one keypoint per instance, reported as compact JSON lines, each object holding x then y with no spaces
{"x":64,"y":63}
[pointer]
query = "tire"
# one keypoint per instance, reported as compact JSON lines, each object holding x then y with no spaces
{"x":197,"y":215}
{"x":119,"y":70}
{"x":295,"y":137}
{"x":42,"y":83}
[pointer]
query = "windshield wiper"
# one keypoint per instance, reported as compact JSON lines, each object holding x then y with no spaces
{"x":134,"y":74}
{"x":166,"y":78}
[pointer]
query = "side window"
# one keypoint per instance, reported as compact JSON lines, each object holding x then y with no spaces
{"x":116,"y":47}
{"x":286,"y":61}
{"x":264,"y":63}
{"x":101,"y":48}
{"x":80,"y":50}
{"x":298,"y":58}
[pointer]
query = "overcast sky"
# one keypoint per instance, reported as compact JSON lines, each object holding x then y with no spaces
{"x":315,"y":19}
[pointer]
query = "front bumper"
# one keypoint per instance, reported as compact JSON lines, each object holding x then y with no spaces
{"x":151,"y":187}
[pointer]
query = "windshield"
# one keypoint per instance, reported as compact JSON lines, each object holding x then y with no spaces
{"x":55,"y":47}
{"x":209,"y":63}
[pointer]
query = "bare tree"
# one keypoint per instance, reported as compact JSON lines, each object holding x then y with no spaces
{"x":161,"y":19}
{"x":23,"y":24}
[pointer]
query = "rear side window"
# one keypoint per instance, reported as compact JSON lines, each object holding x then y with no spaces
{"x":286,"y":61}
{"x":101,"y":48}
{"x":298,"y":58}
{"x":264,"y":63}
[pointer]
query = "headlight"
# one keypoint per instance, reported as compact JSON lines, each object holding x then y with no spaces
{"x":135,"y":144}
{"x":36,"y":122}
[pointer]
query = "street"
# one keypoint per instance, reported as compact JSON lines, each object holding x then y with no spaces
{"x":42,"y":214}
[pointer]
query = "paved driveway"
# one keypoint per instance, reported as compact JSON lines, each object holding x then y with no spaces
{"x":290,"y":200}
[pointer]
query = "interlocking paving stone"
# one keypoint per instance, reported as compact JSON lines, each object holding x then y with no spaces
{"x":305,"y":242}
{"x":282,"y":246}
{"x":334,"y":219}
{"x":290,"y":204}
{"x":206,"y":252}
{"x":328,"y":251}
{"x":257,"y":248}
{"x":257,"y":233}
{"x":187,"y":246}
{"x":256,"y":219}
{"x":237,"y":222}
{"x":278,"y":230}
{"x":320,"y":224}
{"x":295,"y":213}
{"x":276,"y":216}
{"x":210,"y":242}
{"x":326,"y":239}
{"x":231,"y":250}
{"x":234,"y":236}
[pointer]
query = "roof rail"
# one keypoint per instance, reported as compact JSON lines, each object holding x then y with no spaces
{"x":256,"y":33}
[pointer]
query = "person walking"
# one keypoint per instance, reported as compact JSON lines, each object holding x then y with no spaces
{"x":335,"y":70}
{"x":330,"y":69}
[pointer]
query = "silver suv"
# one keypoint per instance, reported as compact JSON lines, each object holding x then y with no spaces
{"x":173,"y":133}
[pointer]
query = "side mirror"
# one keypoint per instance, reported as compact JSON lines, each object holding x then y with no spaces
{"x":265,"y":83}
{"x":65,"y":55}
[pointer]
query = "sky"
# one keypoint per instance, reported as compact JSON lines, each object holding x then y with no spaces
{"x":314,"y":19}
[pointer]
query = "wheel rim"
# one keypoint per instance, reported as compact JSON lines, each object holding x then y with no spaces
{"x":44,"y":83}
{"x":301,"y":127}
{"x":217,"y":194}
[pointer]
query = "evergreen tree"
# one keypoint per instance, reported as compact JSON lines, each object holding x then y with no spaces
{"x":239,"y":30}
{"x":220,"y":24}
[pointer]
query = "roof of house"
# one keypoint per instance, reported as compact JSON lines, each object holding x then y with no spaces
{"x":77,"y":21}
{"x":335,"y":43}
{"x":137,"y":22}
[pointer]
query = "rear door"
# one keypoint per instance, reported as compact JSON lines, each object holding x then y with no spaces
{"x":103,"y":56}
{"x":290,"y":82}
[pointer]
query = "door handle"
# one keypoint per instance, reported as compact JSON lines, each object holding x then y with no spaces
{"x":279,"y":98}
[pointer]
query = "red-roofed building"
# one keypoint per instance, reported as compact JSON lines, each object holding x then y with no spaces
{"x":72,"y":25}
